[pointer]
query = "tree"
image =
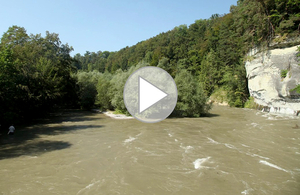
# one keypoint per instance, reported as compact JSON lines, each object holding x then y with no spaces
{"x":14,"y":36}
{"x":8,"y":87}
{"x":39,"y":69}
{"x":103,"y":98}
{"x":192,"y":100}
{"x":87,"y":82}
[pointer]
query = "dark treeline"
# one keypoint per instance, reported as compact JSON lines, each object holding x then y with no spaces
{"x":34,"y":75}
{"x":37,"y":74}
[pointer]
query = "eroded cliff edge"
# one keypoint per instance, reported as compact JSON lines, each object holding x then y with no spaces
{"x":272,"y":74}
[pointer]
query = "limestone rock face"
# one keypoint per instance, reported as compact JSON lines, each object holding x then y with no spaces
{"x":266,"y":83}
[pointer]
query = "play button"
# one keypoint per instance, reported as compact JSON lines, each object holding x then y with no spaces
{"x":150,"y":94}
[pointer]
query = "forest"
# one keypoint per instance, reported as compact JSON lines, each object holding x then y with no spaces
{"x":38,"y":75}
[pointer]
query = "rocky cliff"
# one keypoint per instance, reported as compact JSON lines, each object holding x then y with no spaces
{"x":271,"y":76}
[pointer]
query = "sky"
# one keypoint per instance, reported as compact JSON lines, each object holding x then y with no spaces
{"x":106,"y":25}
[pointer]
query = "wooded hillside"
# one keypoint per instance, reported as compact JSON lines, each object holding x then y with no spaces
{"x":37,"y":74}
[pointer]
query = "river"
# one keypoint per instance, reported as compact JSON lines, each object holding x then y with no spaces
{"x":234,"y":151}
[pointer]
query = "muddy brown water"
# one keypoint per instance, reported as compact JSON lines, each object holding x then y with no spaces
{"x":234,"y":151}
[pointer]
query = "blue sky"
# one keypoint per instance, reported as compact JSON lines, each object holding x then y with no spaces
{"x":93,"y":25}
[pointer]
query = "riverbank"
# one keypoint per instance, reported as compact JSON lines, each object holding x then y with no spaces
{"x":113,"y":115}
{"x":117,"y":116}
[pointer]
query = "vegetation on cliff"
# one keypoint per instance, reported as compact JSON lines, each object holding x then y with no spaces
{"x":297,"y":88}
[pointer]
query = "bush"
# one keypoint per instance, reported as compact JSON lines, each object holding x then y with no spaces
{"x":250,"y":103}
{"x":103,"y":98}
{"x":220,"y":95}
{"x":192,"y":101}
{"x":116,"y":90}
{"x":297,"y":89}
{"x":87,"y":82}
{"x":87,"y":96}
{"x":110,"y":89}
{"x":283,"y":73}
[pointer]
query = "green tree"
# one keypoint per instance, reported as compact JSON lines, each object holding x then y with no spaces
{"x":8,"y":87}
{"x":103,"y":98}
{"x":87,"y":82}
{"x":164,"y":64}
{"x":192,"y":100}
{"x":40,"y":70}
{"x":210,"y":74}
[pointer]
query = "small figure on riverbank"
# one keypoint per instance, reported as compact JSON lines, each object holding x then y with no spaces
{"x":296,"y":127}
{"x":11,"y":130}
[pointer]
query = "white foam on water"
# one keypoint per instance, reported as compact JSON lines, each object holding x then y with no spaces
{"x":170,"y":135}
{"x":224,"y":172}
{"x":272,"y":165}
{"x":176,"y":140}
{"x":245,"y":146}
{"x":271,"y":118}
{"x":279,"y":116}
{"x":189,"y":147}
{"x":89,"y":186}
{"x":230,"y":146}
{"x":258,"y":113}
{"x":245,"y":192}
{"x":254,"y":124}
{"x":78,"y":162}
{"x":149,"y":153}
{"x":256,"y":155}
{"x":212,"y":141}
{"x":198,"y":163}
{"x":248,"y":190}
{"x":130,"y":139}
{"x":186,"y":148}
{"x":76,"y":176}
{"x":135,"y":159}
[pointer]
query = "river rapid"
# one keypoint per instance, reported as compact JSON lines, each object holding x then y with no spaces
{"x":234,"y":151}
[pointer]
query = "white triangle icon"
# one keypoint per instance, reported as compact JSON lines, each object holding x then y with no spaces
{"x":149,"y":94}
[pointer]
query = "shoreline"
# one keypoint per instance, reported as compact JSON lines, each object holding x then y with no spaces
{"x":112,"y":115}
{"x":117,"y":116}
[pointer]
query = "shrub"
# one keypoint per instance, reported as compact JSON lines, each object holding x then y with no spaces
{"x":250,"y":103}
{"x":192,"y":100}
{"x":87,"y":82}
{"x":117,"y":84}
{"x":283,"y":73}
{"x":297,"y":89}
{"x":103,"y":98}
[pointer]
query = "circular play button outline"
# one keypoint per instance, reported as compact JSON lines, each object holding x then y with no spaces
{"x":150,"y":94}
